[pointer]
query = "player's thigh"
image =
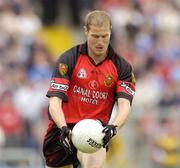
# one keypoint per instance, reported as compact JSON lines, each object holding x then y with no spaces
{"x":94,"y":160}
{"x":59,"y":167}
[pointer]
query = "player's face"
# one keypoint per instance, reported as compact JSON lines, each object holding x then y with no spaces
{"x":98,"y":40}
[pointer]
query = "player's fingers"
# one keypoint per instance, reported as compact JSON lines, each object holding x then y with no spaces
{"x":67,"y":147}
{"x":68,"y":144}
{"x":105,"y":143}
{"x":105,"y":130}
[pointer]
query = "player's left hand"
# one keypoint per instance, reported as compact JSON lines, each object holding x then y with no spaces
{"x":110,"y":131}
{"x":65,"y":139}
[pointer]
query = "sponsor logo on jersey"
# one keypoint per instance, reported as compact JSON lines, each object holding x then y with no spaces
{"x":63,"y":68}
{"x":58,"y":86}
{"x":82,"y":73}
{"x":93,"y":84}
{"x":90,"y":96}
{"x":127,"y":87}
{"x":108,"y":80}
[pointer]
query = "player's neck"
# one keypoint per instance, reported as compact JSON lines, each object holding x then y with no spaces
{"x":97,"y":58}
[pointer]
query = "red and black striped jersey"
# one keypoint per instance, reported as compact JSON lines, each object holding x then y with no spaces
{"x":89,"y":90}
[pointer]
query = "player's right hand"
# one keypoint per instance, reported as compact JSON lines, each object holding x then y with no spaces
{"x":65,"y":138}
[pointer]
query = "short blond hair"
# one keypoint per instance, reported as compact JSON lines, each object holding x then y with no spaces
{"x":98,"y":18}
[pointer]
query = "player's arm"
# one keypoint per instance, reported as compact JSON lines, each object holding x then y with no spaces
{"x":56,"y":111}
{"x":57,"y":115}
{"x":57,"y":93}
{"x":59,"y":85}
{"x":124,"y":109}
{"x":125,"y":91}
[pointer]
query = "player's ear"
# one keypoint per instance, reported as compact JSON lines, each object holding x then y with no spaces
{"x":85,"y":30}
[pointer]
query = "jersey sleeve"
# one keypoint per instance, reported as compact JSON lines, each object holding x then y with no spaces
{"x":126,"y":81}
{"x":59,"y":83}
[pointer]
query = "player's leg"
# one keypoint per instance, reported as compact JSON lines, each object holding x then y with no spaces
{"x":94,"y":160}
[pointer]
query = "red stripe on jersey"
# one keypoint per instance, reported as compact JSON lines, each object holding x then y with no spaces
{"x":126,"y":87}
{"x":92,"y":91}
{"x":59,"y":84}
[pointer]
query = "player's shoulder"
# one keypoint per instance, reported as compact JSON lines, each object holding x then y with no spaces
{"x":122,"y":60}
{"x":70,"y":52}
{"x":123,"y":67}
{"x":119,"y":61}
{"x":69,"y":55}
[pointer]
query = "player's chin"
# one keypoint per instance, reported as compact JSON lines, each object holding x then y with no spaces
{"x":99,"y":53}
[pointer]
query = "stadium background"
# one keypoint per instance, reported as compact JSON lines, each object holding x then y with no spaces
{"x":147,"y":33}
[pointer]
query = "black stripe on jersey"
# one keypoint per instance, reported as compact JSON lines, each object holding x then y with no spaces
{"x":69,"y":58}
{"x":124,"y":69}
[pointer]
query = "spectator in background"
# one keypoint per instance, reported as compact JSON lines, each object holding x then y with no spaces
{"x":40,"y":63}
{"x":31,"y":82}
{"x":51,"y":10}
{"x":165,"y":152}
{"x":11,"y":122}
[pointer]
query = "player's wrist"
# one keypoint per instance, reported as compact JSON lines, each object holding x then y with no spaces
{"x":113,"y":128}
{"x":63,"y":127}
{"x":65,"y":130}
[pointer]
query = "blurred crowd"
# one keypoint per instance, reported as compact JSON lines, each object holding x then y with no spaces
{"x":146,"y":33}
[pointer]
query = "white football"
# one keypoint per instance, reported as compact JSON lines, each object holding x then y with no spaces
{"x":87,"y":135}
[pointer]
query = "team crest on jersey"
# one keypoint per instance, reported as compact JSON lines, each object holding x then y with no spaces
{"x":108,"y":80}
{"x":93,"y":84}
{"x":82,"y":73}
{"x":63,"y":68}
